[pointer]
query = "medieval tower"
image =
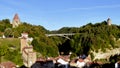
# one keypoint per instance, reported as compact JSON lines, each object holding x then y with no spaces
{"x":16,"y":21}
{"x":28,"y":54}
{"x":109,"y":21}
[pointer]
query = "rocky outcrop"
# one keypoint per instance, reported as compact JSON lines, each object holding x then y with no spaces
{"x":105,"y":55}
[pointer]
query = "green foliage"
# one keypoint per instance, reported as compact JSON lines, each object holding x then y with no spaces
{"x":45,"y":46}
{"x":92,"y":56}
{"x":8,"y":42}
{"x":8,"y":32}
{"x":10,"y":50}
{"x":14,"y":56}
{"x":67,"y":30}
{"x":5,"y":23}
{"x":3,"y":50}
{"x":92,"y":37}
{"x":72,"y":56}
{"x":40,"y":43}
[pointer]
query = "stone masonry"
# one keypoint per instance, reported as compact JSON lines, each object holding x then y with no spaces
{"x":28,"y":55}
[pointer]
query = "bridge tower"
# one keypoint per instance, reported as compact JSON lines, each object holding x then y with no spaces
{"x":16,"y":21}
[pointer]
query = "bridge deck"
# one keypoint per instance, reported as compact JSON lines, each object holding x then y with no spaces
{"x":67,"y":34}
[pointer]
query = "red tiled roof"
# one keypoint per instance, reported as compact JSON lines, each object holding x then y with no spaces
{"x":16,"y":16}
{"x":40,"y":59}
{"x":8,"y":64}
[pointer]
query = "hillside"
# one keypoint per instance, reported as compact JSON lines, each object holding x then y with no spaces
{"x":93,"y":39}
{"x":90,"y":39}
{"x":10,"y":50}
{"x":41,"y":43}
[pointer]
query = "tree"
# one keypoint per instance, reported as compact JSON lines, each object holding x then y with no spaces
{"x":8,"y":32}
{"x":76,"y":45}
{"x":3,"y":50}
{"x":14,"y":56}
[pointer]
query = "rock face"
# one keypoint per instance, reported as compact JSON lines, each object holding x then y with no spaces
{"x":16,"y":21}
{"x":107,"y":54}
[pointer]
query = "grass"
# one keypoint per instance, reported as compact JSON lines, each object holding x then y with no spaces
{"x":13,"y":44}
{"x":10,"y":42}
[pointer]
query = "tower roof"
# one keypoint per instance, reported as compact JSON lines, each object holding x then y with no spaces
{"x":16,"y":16}
{"x":108,"y":19}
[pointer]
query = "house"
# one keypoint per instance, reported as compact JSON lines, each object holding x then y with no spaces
{"x":63,"y":61}
{"x":80,"y":63}
{"x":73,"y":62}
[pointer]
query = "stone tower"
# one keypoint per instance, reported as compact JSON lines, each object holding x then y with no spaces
{"x":24,"y":42}
{"x":16,"y":21}
{"x":28,"y":54}
{"x":109,"y":21}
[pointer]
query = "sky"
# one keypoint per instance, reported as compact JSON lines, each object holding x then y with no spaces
{"x":55,"y":14}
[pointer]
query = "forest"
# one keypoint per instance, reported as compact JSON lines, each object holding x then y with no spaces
{"x":87,"y":38}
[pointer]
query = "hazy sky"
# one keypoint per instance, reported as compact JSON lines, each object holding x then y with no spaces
{"x":55,"y":14}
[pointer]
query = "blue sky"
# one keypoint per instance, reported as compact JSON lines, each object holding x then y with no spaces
{"x":55,"y":14}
